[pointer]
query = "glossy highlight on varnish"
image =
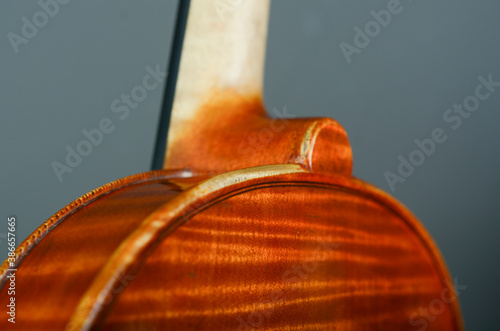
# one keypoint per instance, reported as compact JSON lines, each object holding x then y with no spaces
{"x":229,"y":236}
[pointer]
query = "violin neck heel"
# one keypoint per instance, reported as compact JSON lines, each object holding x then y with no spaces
{"x":218,"y":120}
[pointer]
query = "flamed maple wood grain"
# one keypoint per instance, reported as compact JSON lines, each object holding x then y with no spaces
{"x":355,"y":263}
{"x":242,"y":240}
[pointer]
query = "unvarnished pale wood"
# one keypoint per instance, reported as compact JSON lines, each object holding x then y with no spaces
{"x":223,"y":50}
{"x":218,"y":120}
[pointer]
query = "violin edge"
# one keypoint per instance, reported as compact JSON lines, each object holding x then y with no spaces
{"x":177,"y":211}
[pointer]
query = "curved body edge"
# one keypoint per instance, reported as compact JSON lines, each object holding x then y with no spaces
{"x":365,"y":262}
{"x":182,"y":211}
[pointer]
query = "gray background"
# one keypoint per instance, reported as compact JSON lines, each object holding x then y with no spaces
{"x":395,"y":91}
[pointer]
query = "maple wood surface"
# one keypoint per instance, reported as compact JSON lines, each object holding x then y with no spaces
{"x":275,"y":246}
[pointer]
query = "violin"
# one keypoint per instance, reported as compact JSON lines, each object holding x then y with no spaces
{"x":253,"y":223}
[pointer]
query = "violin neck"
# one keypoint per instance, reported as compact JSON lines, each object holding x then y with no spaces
{"x":223,"y":53}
